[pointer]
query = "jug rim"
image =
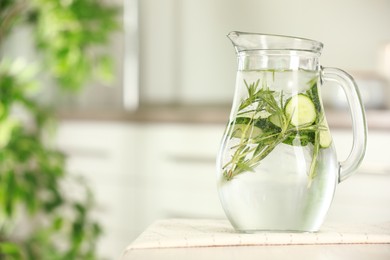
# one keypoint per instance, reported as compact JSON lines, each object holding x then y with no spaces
{"x":249,"y":41}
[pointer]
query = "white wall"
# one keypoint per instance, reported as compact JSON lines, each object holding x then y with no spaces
{"x":185,"y":56}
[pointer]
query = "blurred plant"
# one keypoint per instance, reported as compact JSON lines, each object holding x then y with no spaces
{"x":44,"y":213}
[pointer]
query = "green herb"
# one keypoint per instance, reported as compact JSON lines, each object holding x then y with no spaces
{"x":262,"y":124}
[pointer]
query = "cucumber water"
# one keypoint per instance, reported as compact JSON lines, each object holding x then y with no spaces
{"x":277,"y":153}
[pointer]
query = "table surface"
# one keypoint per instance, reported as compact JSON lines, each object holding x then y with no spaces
{"x":215,"y":239}
{"x":313,"y":252}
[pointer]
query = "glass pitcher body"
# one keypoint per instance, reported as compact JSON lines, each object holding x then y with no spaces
{"x":277,"y":165}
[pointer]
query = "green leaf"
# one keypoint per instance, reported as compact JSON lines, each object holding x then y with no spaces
{"x":244,"y":167}
{"x":58,"y":223}
{"x":300,"y":138}
{"x":104,"y":69}
{"x":9,"y":194}
{"x":6,"y":128}
{"x":10,"y":249}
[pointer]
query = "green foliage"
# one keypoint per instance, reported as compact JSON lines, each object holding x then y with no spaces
{"x":66,"y":30}
{"x":69,"y":34}
{"x":9,"y":14}
{"x":38,"y":217}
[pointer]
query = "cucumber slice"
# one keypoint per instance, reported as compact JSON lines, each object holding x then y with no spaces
{"x":244,"y":128}
{"x":246,"y":131}
{"x":325,"y":136}
{"x":301,"y":110}
{"x":274,"y":119}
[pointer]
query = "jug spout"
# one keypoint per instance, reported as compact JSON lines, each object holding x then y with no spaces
{"x":236,"y":40}
{"x":244,"y":41}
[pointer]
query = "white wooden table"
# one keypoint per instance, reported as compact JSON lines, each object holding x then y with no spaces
{"x":215,"y":239}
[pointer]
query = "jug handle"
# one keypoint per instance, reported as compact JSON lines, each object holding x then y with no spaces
{"x":359,"y":125}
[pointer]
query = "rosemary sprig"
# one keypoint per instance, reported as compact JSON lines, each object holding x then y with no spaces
{"x":249,"y":152}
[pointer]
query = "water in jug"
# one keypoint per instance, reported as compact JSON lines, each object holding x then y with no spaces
{"x":277,"y":168}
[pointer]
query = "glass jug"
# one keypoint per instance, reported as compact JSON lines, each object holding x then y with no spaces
{"x":277,"y":166}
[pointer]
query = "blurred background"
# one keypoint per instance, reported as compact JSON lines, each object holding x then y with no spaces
{"x":146,"y":139}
